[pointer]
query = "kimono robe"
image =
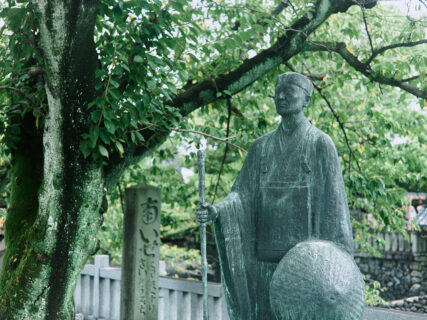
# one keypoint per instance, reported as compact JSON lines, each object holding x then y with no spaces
{"x":289,"y":190}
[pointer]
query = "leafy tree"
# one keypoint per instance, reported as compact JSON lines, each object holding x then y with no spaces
{"x":90,"y":88}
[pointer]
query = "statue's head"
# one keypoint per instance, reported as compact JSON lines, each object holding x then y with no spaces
{"x":293,"y":93}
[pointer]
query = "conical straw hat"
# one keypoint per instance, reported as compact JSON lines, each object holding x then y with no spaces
{"x":317,"y":280}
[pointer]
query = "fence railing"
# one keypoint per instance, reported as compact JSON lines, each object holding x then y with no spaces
{"x":398,"y":244}
{"x":97,"y":295}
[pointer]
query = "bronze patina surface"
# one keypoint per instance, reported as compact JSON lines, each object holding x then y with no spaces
{"x":289,"y":190}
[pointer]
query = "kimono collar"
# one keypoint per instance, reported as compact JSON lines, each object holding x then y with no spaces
{"x":289,"y":128}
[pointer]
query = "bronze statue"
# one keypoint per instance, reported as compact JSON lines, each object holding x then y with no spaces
{"x":289,"y":190}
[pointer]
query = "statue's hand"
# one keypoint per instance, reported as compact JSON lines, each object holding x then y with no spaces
{"x":206,"y":212}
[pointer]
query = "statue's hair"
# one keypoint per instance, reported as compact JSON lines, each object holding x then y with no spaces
{"x":297,"y":79}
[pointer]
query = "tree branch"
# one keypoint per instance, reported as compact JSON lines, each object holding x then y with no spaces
{"x":412,"y":78}
{"x":205,"y":92}
{"x":252,"y":69}
{"x":238,"y":112}
{"x":227,"y":134}
{"x":20,"y":92}
{"x":35,"y":71}
{"x":281,"y":6}
{"x":364,"y":68}
{"x":276,"y":11}
{"x":341,"y":124}
{"x":211,"y":137}
{"x":365,"y":22}
{"x":394,"y":46}
{"x":311,"y":76}
{"x":32,"y":105}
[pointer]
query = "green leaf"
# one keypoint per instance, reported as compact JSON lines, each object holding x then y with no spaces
{"x":110,"y":126}
{"x":258,"y":28}
{"x":179,"y":47}
{"x":93,"y":135}
{"x":229,"y":43}
{"x":125,"y":66}
{"x":246,"y":35}
{"x":84,"y":148}
{"x":115,"y":93}
{"x":138,"y":59}
{"x":14,"y":16}
{"x":95,"y":115}
{"x":120,"y":148}
{"x":114,"y":83}
{"x":100,"y":72}
{"x":104,"y":136}
{"x":151,"y":85}
{"x":102,"y":150}
{"x":98,"y":85}
{"x":139,"y":136}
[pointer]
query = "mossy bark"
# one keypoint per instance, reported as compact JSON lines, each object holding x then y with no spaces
{"x":42,"y":267}
{"x":54,"y":213}
{"x":26,"y":175}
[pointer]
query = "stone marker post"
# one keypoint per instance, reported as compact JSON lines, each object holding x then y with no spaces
{"x":140,"y":260}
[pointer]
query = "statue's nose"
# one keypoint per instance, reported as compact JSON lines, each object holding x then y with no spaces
{"x":281,"y":96}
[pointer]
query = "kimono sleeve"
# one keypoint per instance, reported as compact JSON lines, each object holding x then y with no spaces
{"x":330,"y":211}
{"x":246,"y":185}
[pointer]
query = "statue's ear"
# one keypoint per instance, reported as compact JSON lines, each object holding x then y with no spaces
{"x":307,"y":100}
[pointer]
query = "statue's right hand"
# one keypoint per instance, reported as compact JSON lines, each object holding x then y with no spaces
{"x":206,"y":212}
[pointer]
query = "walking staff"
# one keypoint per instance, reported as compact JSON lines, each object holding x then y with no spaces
{"x":201,"y":167}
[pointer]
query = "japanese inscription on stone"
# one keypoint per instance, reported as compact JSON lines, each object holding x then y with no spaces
{"x":141,"y":253}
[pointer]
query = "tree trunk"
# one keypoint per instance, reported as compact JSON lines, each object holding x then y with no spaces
{"x":50,"y":237}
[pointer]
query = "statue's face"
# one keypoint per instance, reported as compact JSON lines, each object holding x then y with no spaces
{"x":290,"y":98}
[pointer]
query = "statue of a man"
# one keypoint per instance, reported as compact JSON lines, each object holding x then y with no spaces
{"x":289,"y":190}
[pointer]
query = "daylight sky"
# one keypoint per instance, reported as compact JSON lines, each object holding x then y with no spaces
{"x":409,"y":7}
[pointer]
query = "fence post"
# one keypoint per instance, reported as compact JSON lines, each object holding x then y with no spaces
{"x":387,"y":238}
{"x":140,"y":259}
{"x":101,"y":261}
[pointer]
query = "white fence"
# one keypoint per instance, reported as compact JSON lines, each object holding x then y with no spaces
{"x":396,"y":243}
{"x":97,"y":295}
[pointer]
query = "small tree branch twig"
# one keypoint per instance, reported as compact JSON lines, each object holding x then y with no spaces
{"x":341,"y":124}
{"x":107,"y":87}
{"x":412,"y":78}
{"x":154,"y":126}
{"x":227,"y":134}
{"x":394,"y":46}
{"x":19,"y":91}
{"x":210,"y":136}
{"x":365,"y":22}
{"x":32,"y":105}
